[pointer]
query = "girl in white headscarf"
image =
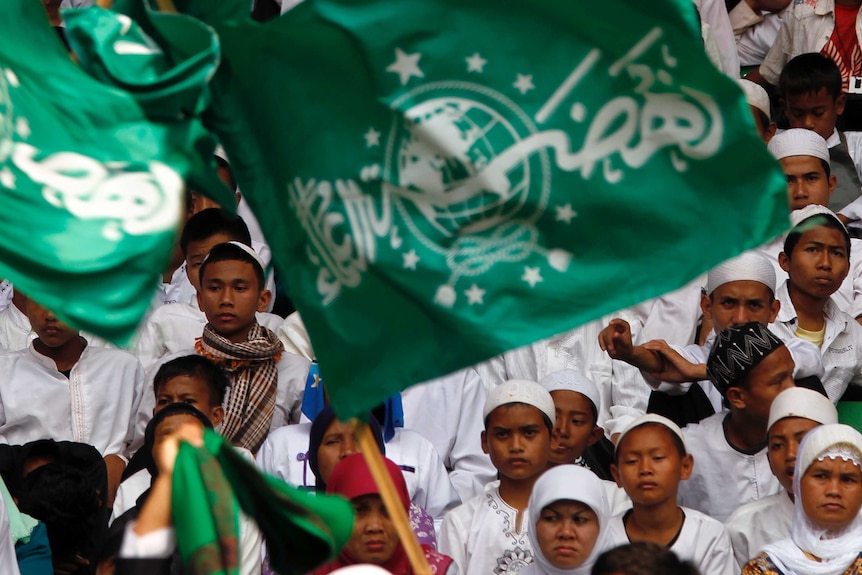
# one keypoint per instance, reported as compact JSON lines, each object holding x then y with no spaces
{"x":568,"y":514}
{"x":826,"y":535}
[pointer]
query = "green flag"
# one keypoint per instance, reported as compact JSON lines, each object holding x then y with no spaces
{"x":91,"y":189}
{"x":444,"y":180}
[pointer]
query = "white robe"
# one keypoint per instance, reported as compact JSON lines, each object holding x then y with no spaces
{"x":483,"y":538}
{"x":285,"y":455}
{"x":702,"y":540}
{"x":723,"y":478}
{"x":96,"y":404}
{"x":756,"y":524}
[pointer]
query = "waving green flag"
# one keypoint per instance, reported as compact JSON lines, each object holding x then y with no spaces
{"x":444,"y":180}
{"x":92,"y":191}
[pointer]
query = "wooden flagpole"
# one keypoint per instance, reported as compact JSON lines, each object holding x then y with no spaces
{"x":374,"y":460}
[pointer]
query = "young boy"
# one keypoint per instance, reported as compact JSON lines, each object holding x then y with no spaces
{"x":650,"y":460}
{"x":488,"y":534}
{"x":816,"y":258}
{"x":749,"y":366}
{"x":266,"y":383}
{"x":758,"y":104}
{"x":64,"y":389}
{"x":795,"y":412}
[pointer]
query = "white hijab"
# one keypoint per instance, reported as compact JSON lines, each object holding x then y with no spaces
{"x":573,"y":483}
{"x":837,"y":551}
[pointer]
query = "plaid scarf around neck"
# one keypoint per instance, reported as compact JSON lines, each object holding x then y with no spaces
{"x":251,"y":366}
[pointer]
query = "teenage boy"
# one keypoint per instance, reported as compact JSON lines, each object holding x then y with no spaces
{"x":488,"y":534}
{"x":816,"y":258}
{"x":750,"y":366}
{"x":795,"y":412}
{"x":266,"y":383}
{"x":650,"y":460}
{"x":61,"y":388}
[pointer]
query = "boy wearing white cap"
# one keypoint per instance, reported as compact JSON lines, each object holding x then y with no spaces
{"x":758,"y":103}
{"x":750,"y":366}
{"x":795,"y":412}
{"x":651,"y":459}
{"x":487,"y":535}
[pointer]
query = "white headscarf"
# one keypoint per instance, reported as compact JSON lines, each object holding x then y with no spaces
{"x":571,"y":483}
{"x":836,"y":551}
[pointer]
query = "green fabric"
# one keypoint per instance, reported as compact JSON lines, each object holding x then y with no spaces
{"x":442,"y":181}
{"x":21,"y":525}
{"x":303,"y":530}
{"x":850,"y":413}
{"x":92,"y":191}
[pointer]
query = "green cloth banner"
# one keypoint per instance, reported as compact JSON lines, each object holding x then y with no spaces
{"x":92,"y":191}
{"x":445,"y":180}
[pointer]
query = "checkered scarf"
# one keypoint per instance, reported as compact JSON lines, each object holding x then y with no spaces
{"x":251,"y":366}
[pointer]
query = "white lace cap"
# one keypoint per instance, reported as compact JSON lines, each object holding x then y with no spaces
{"x":802,"y":402}
{"x":749,"y":266}
{"x":520,"y":391}
{"x":572,"y":380}
{"x":799,"y":142}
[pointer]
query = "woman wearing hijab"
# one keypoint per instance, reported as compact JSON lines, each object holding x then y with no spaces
{"x":826,"y":535}
{"x":569,"y":515}
{"x":374,"y":538}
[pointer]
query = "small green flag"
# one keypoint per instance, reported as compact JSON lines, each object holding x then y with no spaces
{"x":92,"y":191}
{"x":444,"y":180}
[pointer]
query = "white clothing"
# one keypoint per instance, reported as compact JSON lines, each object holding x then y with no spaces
{"x":483,"y":537}
{"x":157,"y":544}
{"x":713,"y":13}
{"x":285,"y":455}
{"x":702,"y":540}
{"x":756,"y":524}
{"x":294,"y":336}
{"x":6,"y":294}
{"x":8,"y":559}
{"x":674,"y":316}
{"x":755,"y":33}
{"x":842,"y":345}
{"x":618,"y":499}
{"x":723,"y":478}
{"x":174,"y":327}
{"x":96,"y":404}
{"x":448,"y":412}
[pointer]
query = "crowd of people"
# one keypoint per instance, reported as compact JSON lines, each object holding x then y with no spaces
{"x":712,"y":430}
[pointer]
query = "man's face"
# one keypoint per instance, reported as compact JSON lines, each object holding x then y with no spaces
{"x":783,"y":441}
{"x":769,"y":378}
{"x":230,"y":297}
{"x":517,"y":441}
{"x":735,"y":303}
{"x":816,"y":111}
{"x":819,"y":262}
{"x":807,"y":182}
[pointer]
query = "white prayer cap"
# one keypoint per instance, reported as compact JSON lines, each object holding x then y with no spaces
{"x":824,"y":437}
{"x":220,"y":153}
{"x":755,"y":95}
{"x":361,"y":569}
{"x":802,"y":402}
{"x":572,"y":380}
{"x":520,"y":391}
{"x":800,"y":215}
{"x":250,"y":251}
{"x":751,"y":266}
{"x":651,"y":418}
{"x":799,"y":142}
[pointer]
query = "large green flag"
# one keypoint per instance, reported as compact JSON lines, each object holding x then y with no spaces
{"x":444,"y":180}
{"x":91,"y":189}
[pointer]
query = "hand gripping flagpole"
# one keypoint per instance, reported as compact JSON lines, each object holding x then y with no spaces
{"x":374,"y":460}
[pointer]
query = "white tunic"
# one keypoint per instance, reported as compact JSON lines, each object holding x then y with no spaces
{"x":285,"y":455}
{"x":723,"y":478}
{"x":175,"y":327}
{"x":96,"y":404}
{"x":702,"y":540}
{"x":483,"y":537}
{"x":756,"y":524}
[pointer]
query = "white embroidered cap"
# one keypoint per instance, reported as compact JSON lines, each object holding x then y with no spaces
{"x":755,"y":95}
{"x":520,"y":391}
{"x":651,"y":418}
{"x":802,"y":214}
{"x":751,"y":266}
{"x":798,"y":142}
{"x":802,"y":402}
{"x":572,"y":380}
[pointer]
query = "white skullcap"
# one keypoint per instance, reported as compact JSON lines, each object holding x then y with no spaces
{"x":802,"y":402}
{"x":361,"y":569}
{"x":520,"y":391}
{"x":800,"y":215}
{"x":651,"y":418}
{"x":250,"y":251}
{"x":755,"y":95}
{"x":799,"y":142}
{"x":220,"y":153}
{"x":822,"y":438}
{"x":571,"y":380}
{"x":751,"y":266}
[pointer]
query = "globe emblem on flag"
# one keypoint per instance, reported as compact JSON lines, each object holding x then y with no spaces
{"x":455,"y":164}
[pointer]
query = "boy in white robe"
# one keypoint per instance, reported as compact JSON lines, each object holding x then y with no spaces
{"x":749,"y":365}
{"x":487,"y":535}
{"x":795,"y":412}
{"x":61,"y":388}
{"x":651,"y":459}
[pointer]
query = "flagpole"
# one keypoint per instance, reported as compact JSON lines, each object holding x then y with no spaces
{"x":374,"y":460}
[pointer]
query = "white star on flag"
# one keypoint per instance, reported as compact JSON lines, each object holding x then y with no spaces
{"x":565,"y":213}
{"x":531,"y":276}
{"x":475,"y":295}
{"x":406,"y":66}
{"x":476,"y":63}
{"x":7,"y":178}
{"x":524,"y":83}
{"x":410,"y":260}
{"x":372,"y":138}
{"x":12,"y":78}
{"x":22,"y":128}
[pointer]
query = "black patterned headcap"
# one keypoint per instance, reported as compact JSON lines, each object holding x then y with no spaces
{"x":736,"y":352}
